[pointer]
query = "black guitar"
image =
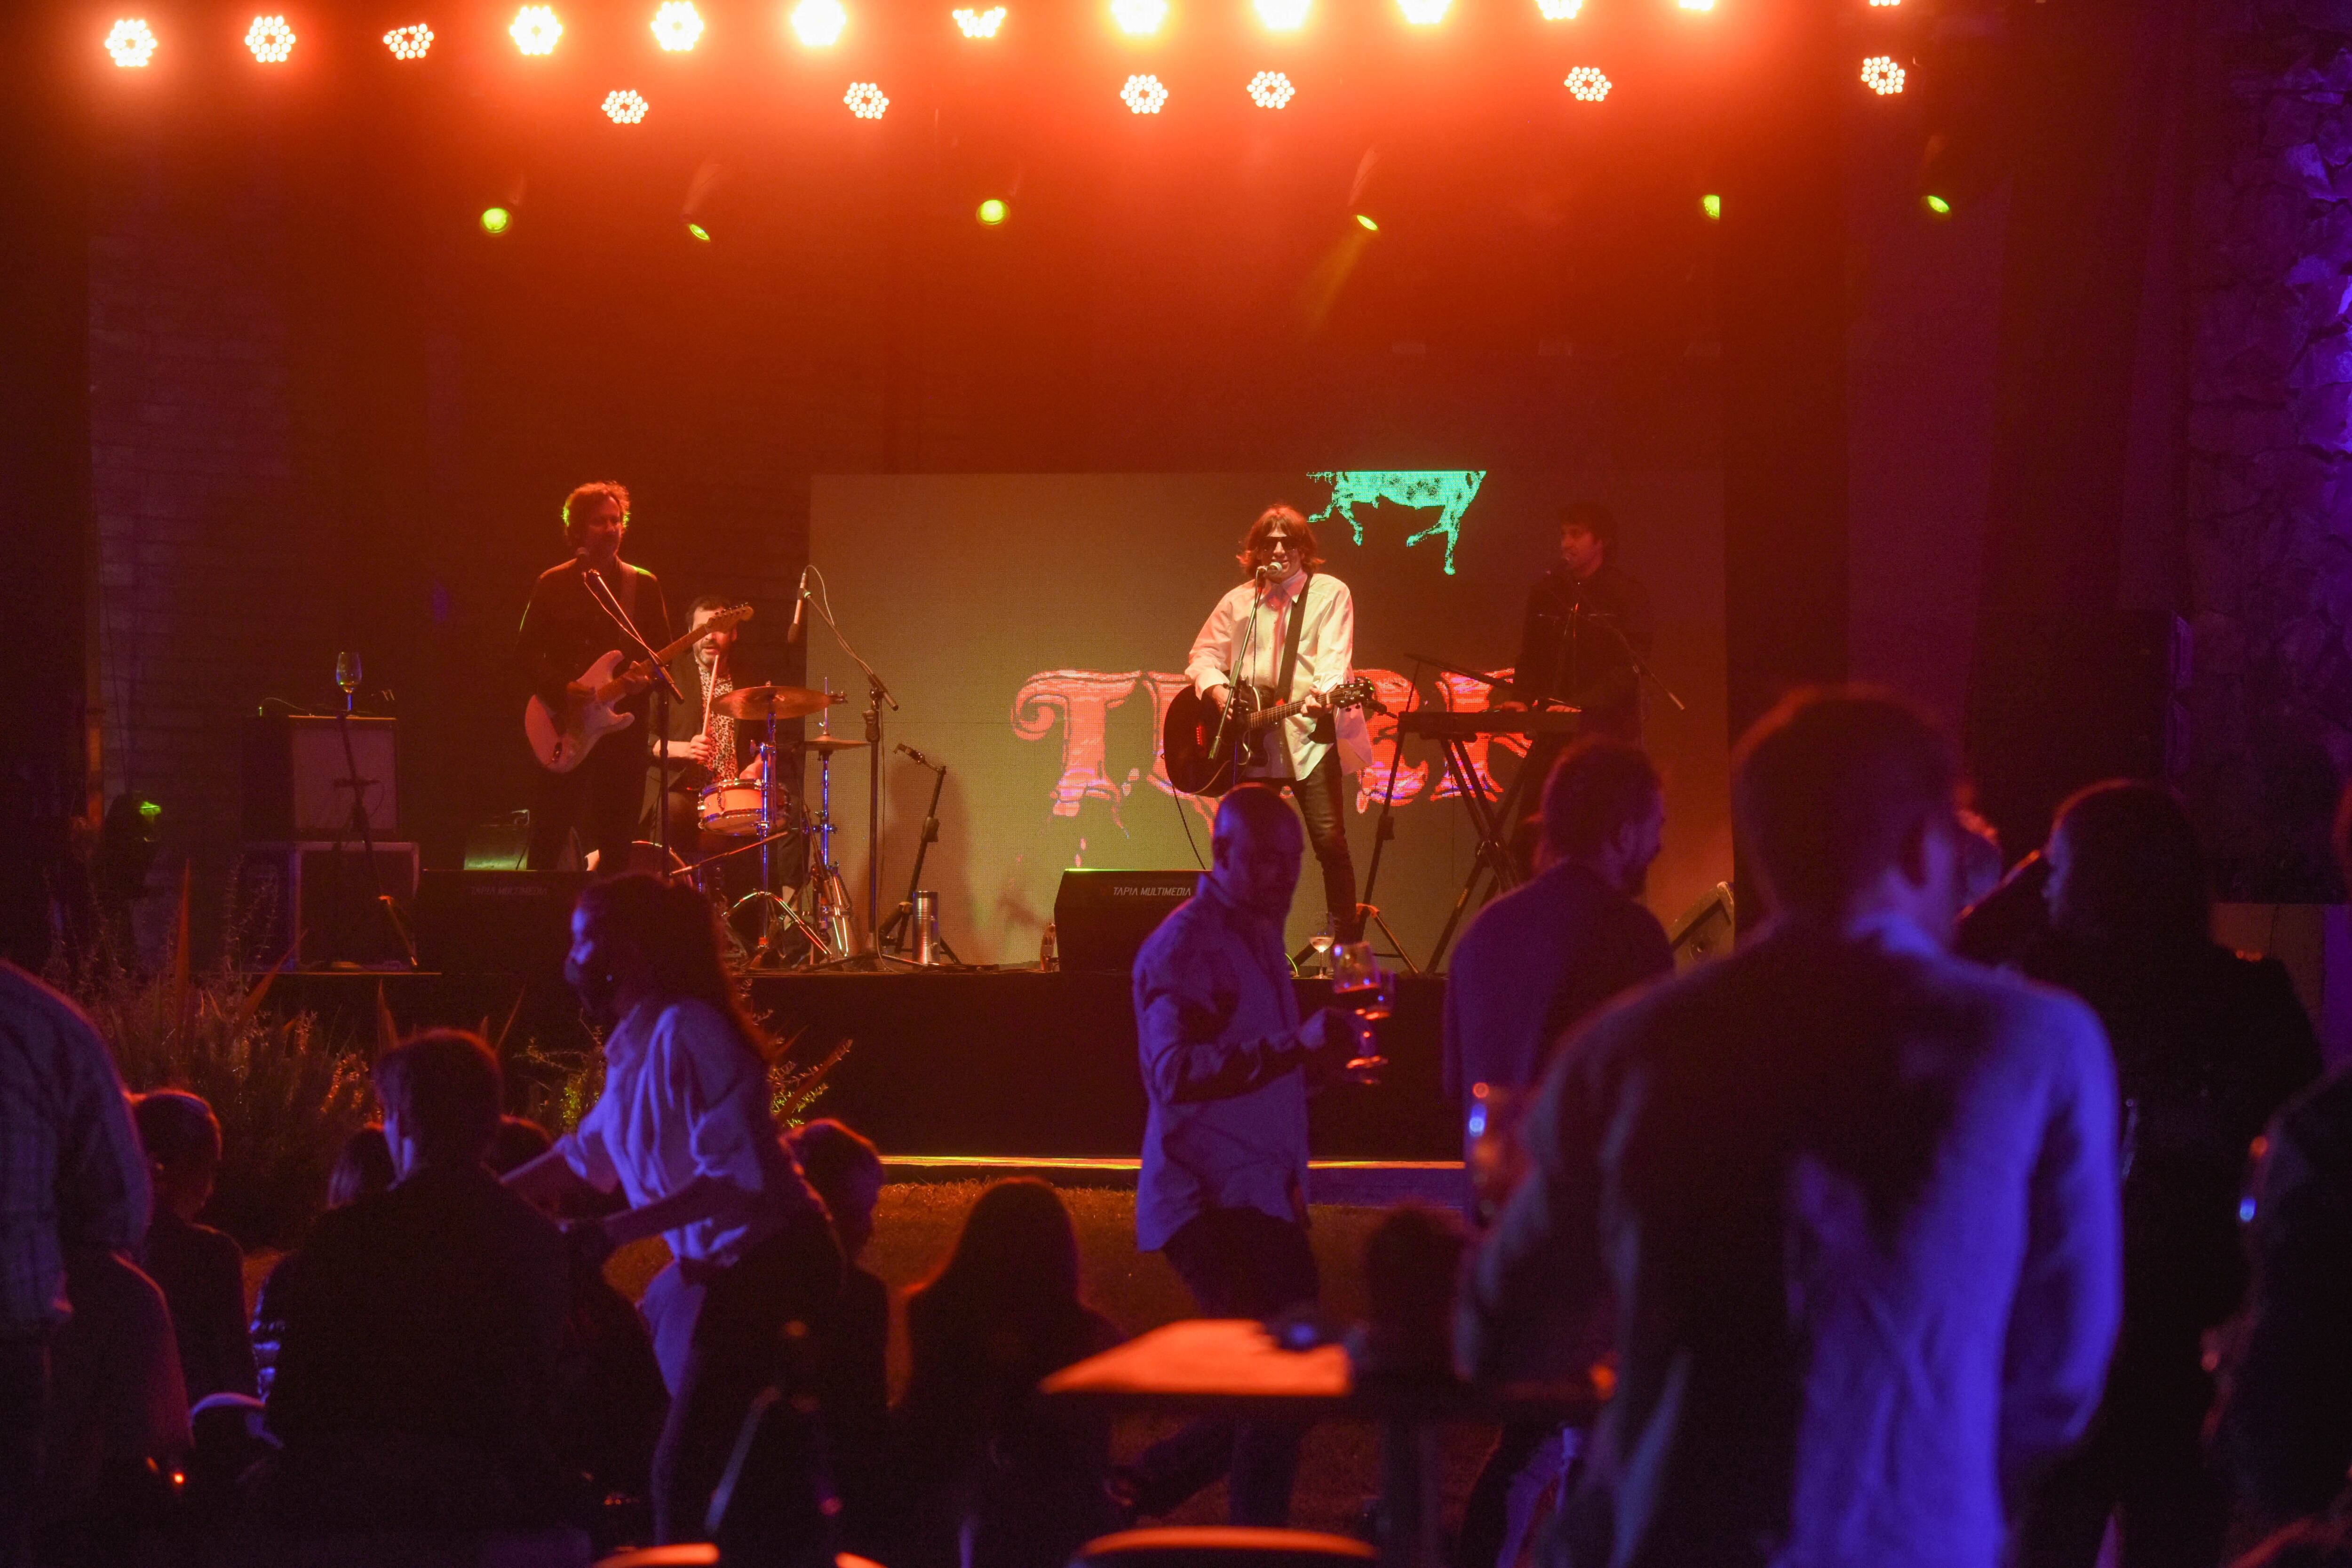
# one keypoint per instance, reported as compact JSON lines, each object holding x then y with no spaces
{"x":1205,"y":751}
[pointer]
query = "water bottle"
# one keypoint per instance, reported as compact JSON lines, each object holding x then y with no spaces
{"x":1049,"y":958}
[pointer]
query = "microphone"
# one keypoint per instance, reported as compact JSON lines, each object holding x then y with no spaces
{"x":800,"y":609}
{"x":1267,"y":570}
{"x":921,"y":759}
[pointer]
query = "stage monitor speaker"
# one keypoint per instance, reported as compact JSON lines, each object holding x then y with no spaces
{"x":318,"y":899}
{"x":495,"y":923}
{"x":296,"y":773}
{"x":1100,"y":917}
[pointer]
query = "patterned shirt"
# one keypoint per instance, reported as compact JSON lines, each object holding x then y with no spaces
{"x":73,"y":1177}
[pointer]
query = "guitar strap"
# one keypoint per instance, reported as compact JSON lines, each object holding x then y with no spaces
{"x":1289,"y":667}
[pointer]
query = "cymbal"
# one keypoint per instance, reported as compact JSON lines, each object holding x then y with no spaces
{"x":824,"y":745}
{"x":774,"y":701}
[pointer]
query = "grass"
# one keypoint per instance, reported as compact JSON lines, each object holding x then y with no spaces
{"x":916,"y":1228}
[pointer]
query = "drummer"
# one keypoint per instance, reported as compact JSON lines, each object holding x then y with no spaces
{"x":703,"y":746}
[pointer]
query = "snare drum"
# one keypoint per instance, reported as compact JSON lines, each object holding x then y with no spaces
{"x":733,"y":809}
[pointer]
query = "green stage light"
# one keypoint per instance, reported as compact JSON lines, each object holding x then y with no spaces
{"x":1937,"y":205}
{"x":1712,"y":206}
{"x":496,"y":220}
{"x":698,"y":232}
{"x":1366,"y":224}
{"x":991,"y":212}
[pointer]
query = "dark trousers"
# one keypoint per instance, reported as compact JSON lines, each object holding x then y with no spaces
{"x":2143,"y":1462}
{"x":1238,"y":1263}
{"x":24,"y":1410}
{"x":737,"y":1351}
{"x":603,"y":798}
{"x":1321,"y":798}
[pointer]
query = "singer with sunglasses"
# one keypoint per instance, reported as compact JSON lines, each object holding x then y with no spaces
{"x":565,"y":630}
{"x":1289,"y":633}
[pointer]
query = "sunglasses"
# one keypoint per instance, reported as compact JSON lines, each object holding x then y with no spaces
{"x":1274,"y":542}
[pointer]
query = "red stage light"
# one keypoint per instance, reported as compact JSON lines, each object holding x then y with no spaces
{"x":978,"y":23}
{"x":865,"y":100}
{"x":1423,"y":13}
{"x":130,"y":42}
{"x":1144,"y":94}
{"x":1139,"y":18}
{"x":409,"y":43}
{"x":1586,"y":85}
{"x":536,"y":29}
{"x":1283,"y":16}
{"x":625,"y":106}
{"x":677,"y":26}
{"x":1270,"y":90}
{"x":1882,"y":75}
{"x":819,"y":23}
{"x":271,"y":39}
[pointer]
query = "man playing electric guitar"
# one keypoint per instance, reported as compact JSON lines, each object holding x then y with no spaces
{"x":564,"y":632}
{"x":1249,"y":639}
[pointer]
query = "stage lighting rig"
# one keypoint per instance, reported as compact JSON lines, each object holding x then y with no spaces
{"x":818,"y":23}
{"x":625,"y":106}
{"x":865,"y":100}
{"x":696,"y":232}
{"x":677,"y":26}
{"x":271,"y":39}
{"x":1560,"y":10}
{"x":1712,"y":206}
{"x":1144,"y":94}
{"x":1283,"y":16}
{"x":1882,"y":75}
{"x":410,"y":43}
{"x":131,"y":43}
{"x":1271,"y":90}
{"x":1696,"y":5}
{"x":991,"y":212}
{"x":1586,"y":84}
{"x":535,"y":30}
{"x":978,"y":23}
{"x":497,"y":220}
{"x":1423,"y":13}
{"x":1140,"y":18}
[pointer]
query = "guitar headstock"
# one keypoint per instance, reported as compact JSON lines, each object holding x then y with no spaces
{"x":1358,"y":692}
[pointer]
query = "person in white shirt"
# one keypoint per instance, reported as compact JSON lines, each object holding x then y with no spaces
{"x":1246,"y":640}
{"x":684,"y":1130}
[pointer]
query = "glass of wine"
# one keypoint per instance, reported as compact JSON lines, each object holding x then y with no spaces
{"x":347,"y":677}
{"x":1359,"y":983}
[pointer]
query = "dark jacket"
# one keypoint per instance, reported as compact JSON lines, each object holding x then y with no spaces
{"x":1578,"y":645}
{"x":201,"y":1271}
{"x":426,"y":1321}
{"x":564,"y":633}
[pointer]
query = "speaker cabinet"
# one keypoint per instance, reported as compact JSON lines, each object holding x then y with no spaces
{"x":296,"y":773}
{"x":318,"y":899}
{"x":1101,"y":917}
{"x":495,"y":923}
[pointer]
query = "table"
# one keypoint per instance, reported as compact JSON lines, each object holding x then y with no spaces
{"x":1232,"y":1367}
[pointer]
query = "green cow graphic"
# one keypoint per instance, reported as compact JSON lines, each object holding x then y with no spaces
{"x":1451,"y":490}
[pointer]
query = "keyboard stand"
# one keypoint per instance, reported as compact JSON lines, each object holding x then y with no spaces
{"x":1492,"y":818}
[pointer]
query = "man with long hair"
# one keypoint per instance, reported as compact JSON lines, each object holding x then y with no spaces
{"x":684,"y":1130}
{"x":1289,"y":634}
{"x":564,"y":632}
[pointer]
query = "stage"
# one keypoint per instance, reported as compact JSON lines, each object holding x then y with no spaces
{"x":992,"y":1064}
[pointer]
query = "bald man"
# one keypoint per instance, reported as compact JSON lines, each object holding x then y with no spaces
{"x":1228,"y":1065}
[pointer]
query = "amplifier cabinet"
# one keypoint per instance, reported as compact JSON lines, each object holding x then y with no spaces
{"x":495,"y":923}
{"x":317,"y":899}
{"x":295,"y":769}
{"x":1101,"y":917}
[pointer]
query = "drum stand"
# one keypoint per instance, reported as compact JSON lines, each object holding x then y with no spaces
{"x":776,"y":913}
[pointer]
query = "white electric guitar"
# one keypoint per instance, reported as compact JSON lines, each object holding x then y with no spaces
{"x":561,"y":741}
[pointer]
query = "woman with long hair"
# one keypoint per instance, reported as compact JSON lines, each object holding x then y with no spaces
{"x":1003,"y":1483}
{"x":684,"y":1130}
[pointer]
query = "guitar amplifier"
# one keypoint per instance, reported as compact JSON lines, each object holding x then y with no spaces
{"x":495,"y":923}
{"x":296,"y":772}
{"x":318,"y":900}
{"x":1101,"y":917}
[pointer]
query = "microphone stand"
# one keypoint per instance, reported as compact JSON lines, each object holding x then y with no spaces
{"x":893,"y":932}
{"x":385,"y":902}
{"x":1385,"y":828}
{"x":877,"y":693}
{"x":665,"y":688}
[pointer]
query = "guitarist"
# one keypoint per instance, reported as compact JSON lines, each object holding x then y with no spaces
{"x":564,"y":632}
{"x":1289,"y":633}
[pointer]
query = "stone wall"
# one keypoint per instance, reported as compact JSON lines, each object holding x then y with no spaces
{"x":2270,"y":459}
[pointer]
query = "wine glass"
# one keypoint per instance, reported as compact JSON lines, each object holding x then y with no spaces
{"x":347,"y":677}
{"x":1359,"y":983}
{"x":1498,"y":1158}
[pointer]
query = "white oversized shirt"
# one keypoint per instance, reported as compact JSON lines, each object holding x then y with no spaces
{"x":684,"y":1098}
{"x":1327,"y":651}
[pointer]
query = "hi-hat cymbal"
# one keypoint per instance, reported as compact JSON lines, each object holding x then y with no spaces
{"x":774,"y":701}
{"x":825,"y":745}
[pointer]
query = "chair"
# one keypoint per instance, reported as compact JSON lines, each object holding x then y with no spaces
{"x":1221,"y":1546}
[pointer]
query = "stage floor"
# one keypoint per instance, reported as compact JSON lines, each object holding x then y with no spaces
{"x":1009,"y":1064}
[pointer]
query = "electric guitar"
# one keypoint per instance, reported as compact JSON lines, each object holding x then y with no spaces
{"x":1205,"y":751}
{"x":561,"y":741}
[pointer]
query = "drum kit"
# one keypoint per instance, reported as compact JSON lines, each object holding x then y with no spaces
{"x":818,"y":909}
